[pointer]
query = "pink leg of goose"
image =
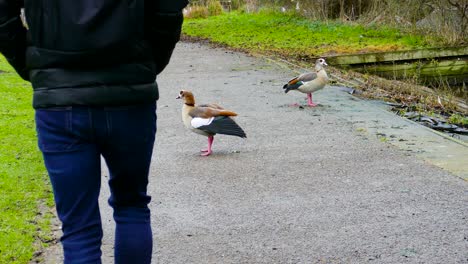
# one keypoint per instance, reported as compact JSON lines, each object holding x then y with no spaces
{"x":207,"y":151}
{"x":309,"y":100}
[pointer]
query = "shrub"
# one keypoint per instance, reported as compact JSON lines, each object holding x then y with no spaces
{"x":197,"y":11}
{"x":237,"y":4}
{"x":215,"y":8}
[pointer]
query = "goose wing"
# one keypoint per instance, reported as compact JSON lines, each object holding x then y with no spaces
{"x":218,"y":125}
{"x":296,"y":82}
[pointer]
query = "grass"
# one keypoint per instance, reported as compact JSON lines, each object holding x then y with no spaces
{"x":289,"y":35}
{"x":23,"y":180}
{"x":459,"y":120}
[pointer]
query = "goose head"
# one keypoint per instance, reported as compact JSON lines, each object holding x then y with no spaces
{"x":187,"y":97}
{"x":319,"y":63}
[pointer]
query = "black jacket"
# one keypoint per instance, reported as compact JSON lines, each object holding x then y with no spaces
{"x":90,"y":52}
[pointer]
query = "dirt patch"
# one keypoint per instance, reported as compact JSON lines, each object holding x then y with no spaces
{"x":48,"y":243}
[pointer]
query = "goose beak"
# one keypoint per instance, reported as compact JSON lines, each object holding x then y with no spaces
{"x":324,"y":63}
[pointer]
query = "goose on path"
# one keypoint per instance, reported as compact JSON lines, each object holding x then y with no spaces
{"x":208,"y":119}
{"x":309,"y":82}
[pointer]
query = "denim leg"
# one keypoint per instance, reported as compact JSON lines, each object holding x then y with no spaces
{"x":73,"y":164}
{"x":127,"y":150}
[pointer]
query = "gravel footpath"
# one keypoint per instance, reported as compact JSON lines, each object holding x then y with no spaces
{"x":331,"y":184}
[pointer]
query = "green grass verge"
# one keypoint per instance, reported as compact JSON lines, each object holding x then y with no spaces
{"x":290,"y":35}
{"x":24,"y":184}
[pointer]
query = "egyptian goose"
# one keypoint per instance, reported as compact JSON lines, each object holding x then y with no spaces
{"x":208,"y":119}
{"x":309,"y":82}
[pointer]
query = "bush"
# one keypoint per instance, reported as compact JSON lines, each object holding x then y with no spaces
{"x":197,"y":11}
{"x":237,"y":4}
{"x":215,"y":8}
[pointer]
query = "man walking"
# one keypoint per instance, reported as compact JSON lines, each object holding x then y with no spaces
{"x":93,"y":66}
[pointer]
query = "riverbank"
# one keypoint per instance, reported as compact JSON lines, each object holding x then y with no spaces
{"x":300,"y":41}
{"x":289,"y":35}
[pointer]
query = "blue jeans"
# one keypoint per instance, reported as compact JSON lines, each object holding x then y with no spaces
{"x":72,"y":139}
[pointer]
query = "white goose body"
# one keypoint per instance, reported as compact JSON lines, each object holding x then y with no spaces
{"x":315,"y":84}
{"x":193,"y":123}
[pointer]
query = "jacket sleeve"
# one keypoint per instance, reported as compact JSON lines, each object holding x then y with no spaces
{"x":13,"y":36}
{"x":163,"y":25}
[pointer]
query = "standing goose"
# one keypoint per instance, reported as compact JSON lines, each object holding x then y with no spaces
{"x":208,"y":120}
{"x":309,"y":82}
